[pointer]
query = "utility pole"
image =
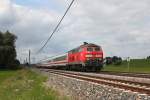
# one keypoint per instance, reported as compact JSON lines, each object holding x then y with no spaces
{"x":26,"y":60}
{"x":29,"y":57}
{"x":128,"y":61}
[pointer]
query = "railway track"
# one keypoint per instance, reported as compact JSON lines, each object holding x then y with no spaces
{"x":126,"y":83}
{"x":140,"y":75}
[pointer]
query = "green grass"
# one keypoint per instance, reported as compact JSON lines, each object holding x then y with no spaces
{"x":136,"y":65}
{"x":25,"y":85}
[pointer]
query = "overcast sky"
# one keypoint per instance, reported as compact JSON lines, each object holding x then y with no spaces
{"x":121,"y":27}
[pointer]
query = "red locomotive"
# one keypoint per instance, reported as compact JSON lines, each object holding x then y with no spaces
{"x":87,"y":57}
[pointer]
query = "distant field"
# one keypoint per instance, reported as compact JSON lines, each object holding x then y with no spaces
{"x":136,"y":65}
{"x":25,"y":85}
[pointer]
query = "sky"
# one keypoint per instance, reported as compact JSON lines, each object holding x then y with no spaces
{"x":120,"y":27}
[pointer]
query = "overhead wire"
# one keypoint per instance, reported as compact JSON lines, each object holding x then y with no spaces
{"x":55,"y":29}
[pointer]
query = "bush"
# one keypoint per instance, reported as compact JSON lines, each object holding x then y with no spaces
{"x":117,"y":60}
{"x":108,"y":60}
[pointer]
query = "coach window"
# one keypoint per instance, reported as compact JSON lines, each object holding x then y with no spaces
{"x":76,"y":50}
{"x":73,"y":51}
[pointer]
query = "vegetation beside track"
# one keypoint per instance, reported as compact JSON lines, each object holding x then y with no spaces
{"x":135,"y":65}
{"x":25,"y":85}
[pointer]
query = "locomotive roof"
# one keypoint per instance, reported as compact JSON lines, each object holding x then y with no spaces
{"x":85,"y":45}
{"x":89,"y":45}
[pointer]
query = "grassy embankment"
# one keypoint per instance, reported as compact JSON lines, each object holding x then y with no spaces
{"x":25,"y":85}
{"x":136,"y":65}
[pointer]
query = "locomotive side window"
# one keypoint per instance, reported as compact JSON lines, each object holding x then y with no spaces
{"x":89,"y":49}
{"x":80,"y":50}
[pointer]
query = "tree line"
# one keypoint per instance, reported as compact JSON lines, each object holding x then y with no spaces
{"x":116,"y":60}
{"x":113,"y":60}
{"x":148,"y":57}
{"x":8,"y":50}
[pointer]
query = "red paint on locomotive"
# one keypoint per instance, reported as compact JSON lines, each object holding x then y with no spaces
{"x":85,"y":52}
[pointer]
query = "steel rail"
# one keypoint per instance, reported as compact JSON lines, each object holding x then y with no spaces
{"x":104,"y":81}
{"x":141,"y":75}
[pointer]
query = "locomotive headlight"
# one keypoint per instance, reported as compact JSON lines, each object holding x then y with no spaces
{"x":98,"y":55}
{"x":100,"y":58}
{"x":88,"y":55}
{"x":88,"y":58}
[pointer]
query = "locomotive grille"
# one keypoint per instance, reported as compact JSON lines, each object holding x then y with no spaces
{"x":93,"y":62}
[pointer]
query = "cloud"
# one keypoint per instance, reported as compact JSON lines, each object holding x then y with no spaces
{"x":115,"y":25}
{"x":32,"y":26}
{"x":120,"y":27}
{"x":7,"y":16}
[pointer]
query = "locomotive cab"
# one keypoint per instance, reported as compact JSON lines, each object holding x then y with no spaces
{"x":86,"y":57}
{"x":93,"y":53}
{"x":93,"y":57}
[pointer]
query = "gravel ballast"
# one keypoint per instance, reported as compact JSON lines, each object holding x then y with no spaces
{"x":83,"y":90}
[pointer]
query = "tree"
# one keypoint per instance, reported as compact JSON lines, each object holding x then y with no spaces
{"x":1,"y":48}
{"x":9,"y":39}
{"x":7,"y":49}
{"x":148,"y":57}
{"x":116,"y":60}
{"x":1,"y":38}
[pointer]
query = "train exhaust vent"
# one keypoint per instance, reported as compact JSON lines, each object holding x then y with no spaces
{"x":85,"y":43}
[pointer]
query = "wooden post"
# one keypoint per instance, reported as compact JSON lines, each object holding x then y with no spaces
{"x":29,"y":57}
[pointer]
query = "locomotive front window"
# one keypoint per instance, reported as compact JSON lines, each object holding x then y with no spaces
{"x":89,"y":49}
{"x":97,"y":49}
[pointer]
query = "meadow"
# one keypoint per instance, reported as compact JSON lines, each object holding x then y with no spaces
{"x":135,"y":65}
{"x":25,"y":85}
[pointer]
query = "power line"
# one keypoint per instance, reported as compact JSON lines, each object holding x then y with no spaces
{"x":56,"y":27}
